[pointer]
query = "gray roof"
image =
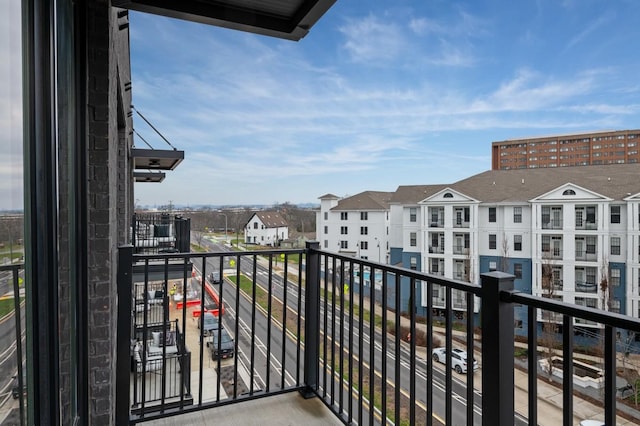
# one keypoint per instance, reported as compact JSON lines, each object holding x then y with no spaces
{"x":412,"y":194}
{"x":271,"y":219}
{"x":329,"y":197}
{"x":614,"y":181}
{"x":367,"y":200}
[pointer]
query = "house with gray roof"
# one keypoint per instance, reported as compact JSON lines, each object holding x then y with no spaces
{"x":266,"y":228}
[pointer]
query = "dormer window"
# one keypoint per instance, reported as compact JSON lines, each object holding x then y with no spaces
{"x":569,"y":192}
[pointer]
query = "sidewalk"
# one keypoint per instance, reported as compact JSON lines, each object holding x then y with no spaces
{"x":550,"y":404}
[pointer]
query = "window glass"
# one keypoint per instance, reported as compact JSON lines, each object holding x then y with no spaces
{"x":517,"y":215}
{"x":492,"y":214}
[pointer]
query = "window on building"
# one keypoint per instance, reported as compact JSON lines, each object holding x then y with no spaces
{"x":344,"y":244}
{"x":364,"y":245}
{"x":517,"y":270}
{"x":591,"y":214}
{"x":413,"y":239}
{"x":326,"y":243}
{"x":517,"y":242}
{"x":492,"y":214}
{"x":326,"y":215}
{"x":364,"y":230}
{"x":615,"y":214}
{"x":414,"y":263}
{"x":255,"y":225}
{"x":344,"y":230}
{"x":364,"y":215}
{"x":615,"y":277}
{"x":615,"y":245}
{"x":591,"y":244}
{"x":344,"y":215}
{"x":614,"y":306}
{"x":326,"y":229}
{"x":413,"y":213}
{"x":517,"y":215}
{"x":492,"y":242}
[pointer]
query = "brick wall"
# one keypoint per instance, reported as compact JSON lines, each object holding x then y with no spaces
{"x":109,"y":195}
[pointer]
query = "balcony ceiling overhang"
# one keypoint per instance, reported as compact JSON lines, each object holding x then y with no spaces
{"x":287,"y":19}
{"x":156,"y":159}
{"x":155,"y":177}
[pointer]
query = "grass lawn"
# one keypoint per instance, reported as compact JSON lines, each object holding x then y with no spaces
{"x":6,"y":306}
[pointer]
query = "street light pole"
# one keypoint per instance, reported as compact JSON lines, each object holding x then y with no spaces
{"x":226,"y":240}
{"x":378,"y":243}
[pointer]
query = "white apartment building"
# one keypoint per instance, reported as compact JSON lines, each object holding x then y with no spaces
{"x":356,"y":226}
{"x":560,"y":231}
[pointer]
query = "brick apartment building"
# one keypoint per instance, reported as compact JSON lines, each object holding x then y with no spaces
{"x":578,"y":149}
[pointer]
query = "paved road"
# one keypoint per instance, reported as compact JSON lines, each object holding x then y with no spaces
{"x":406,"y":369}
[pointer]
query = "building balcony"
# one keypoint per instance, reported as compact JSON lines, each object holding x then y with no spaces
{"x":586,"y":287}
{"x":552,"y":224}
{"x":460,"y":249}
{"x":587,"y":226}
{"x":586,"y":256}
{"x":307,"y":347}
{"x":152,"y":233}
{"x":552,"y":254}
{"x":436,"y":249}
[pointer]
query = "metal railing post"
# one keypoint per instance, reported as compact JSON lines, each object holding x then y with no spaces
{"x":497,"y":350}
{"x":312,"y":320}
{"x":123,"y":339}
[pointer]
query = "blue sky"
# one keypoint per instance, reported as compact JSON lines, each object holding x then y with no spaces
{"x":378,"y":94}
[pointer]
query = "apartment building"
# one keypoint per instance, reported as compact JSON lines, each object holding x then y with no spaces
{"x":578,"y":149}
{"x":562,"y":232}
{"x":357,"y":225}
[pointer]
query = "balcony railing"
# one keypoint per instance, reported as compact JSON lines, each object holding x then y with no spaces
{"x":13,"y":339}
{"x":300,"y":321}
{"x":438,"y":223}
{"x":160,"y":233}
{"x":585,"y":255}
{"x":436,"y":249}
{"x":314,"y":325}
{"x":586,"y":287}
{"x":460,"y":249}
{"x":552,"y":254}
{"x":552,"y":224}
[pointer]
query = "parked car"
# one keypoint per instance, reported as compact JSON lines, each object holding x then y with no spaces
{"x":214,"y":277}
{"x":458,"y":359}
{"x":211,"y":323}
{"x":15,"y":385}
{"x":225,"y":348}
{"x":591,"y":423}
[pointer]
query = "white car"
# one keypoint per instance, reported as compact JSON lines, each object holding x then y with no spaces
{"x":458,"y":359}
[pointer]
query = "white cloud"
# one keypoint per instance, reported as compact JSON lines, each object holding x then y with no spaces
{"x":592,"y":27}
{"x":371,"y":39}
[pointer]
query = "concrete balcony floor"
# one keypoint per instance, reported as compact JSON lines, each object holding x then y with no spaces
{"x":286,"y":409}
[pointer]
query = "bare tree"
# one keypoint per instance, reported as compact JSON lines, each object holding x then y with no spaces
{"x":504,"y":262}
{"x":629,"y":370}
{"x":198,"y":236}
{"x":549,"y":325}
{"x":605,"y":286}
